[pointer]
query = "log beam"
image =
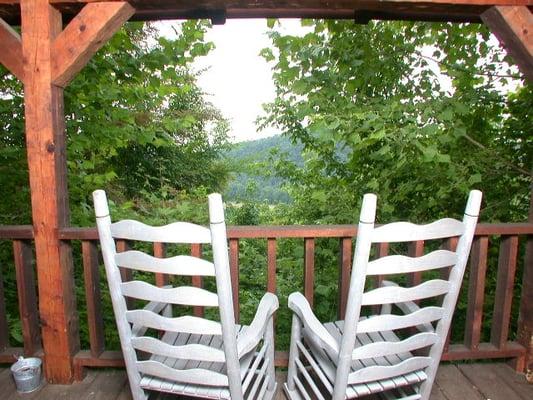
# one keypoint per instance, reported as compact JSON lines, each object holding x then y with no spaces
{"x":11,"y":50}
{"x":45,"y":141}
{"x":84,"y":35}
{"x":513,"y":26}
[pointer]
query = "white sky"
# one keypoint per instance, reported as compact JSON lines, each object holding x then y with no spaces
{"x":237,"y":80}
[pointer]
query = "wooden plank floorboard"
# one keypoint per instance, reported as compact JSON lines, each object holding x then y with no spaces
{"x":52,"y":392}
{"x":517,"y":381}
{"x":454,"y":382}
{"x":493,"y":385}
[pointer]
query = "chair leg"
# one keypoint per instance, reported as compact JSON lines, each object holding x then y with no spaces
{"x":296,"y":335}
{"x":137,"y":392}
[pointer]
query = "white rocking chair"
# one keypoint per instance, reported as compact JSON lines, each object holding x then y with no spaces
{"x":189,"y":355}
{"x":395,"y":353}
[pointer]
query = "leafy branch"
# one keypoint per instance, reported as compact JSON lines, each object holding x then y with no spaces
{"x":458,"y":68}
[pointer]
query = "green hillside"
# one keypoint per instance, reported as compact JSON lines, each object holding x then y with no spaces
{"x":253,"y":163}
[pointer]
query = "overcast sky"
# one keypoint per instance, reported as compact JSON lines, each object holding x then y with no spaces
{"x":237,"y":80}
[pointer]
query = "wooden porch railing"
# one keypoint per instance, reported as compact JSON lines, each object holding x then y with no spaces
{"x":501,"y":344}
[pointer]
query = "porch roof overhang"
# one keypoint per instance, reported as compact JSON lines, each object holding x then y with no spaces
{"x":219,"y":10}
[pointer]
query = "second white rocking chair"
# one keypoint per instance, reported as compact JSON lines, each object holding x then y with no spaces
{"x":189,"y":355}
{"x":393,"y":354}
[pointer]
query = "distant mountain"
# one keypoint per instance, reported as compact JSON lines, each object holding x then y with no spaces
{"x":253,"y":178}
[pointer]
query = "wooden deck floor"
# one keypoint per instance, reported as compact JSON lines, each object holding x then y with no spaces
{"x":454,"y":382}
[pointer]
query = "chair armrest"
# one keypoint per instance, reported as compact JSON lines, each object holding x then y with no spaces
{"x":408,"y":307}
{"x":249,"y":338}
{"x":300,"y":306}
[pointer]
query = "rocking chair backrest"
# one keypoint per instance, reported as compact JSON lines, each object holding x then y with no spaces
{"x":131,"y":322}
{"x":432,"y":321}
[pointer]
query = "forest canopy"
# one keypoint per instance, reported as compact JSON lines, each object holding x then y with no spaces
{"x":419,"y":113}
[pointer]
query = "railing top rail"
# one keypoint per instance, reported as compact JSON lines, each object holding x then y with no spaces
{"x":15,"y":232}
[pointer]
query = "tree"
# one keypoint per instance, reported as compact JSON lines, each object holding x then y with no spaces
{"x":136,"y":123}
{"x":411,"y":111}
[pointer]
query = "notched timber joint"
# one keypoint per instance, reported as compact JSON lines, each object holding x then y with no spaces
{"x":84,"y":36}
{"x":11,"y":50}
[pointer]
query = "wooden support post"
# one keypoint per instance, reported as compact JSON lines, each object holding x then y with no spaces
{"x":525,"y":316}
{"x":45,"y":140}
{"x":51,"y":59}
{"x":513,"y":26}
{"x":11,"y":50}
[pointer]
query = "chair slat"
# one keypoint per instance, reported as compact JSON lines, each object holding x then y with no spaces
{"x":395,"y":294}
{"x":190,"y":351}
{"x":377,"y":372}
{"x":398,"y":264}
{"x":186,"y":324}
{"x":195,"y":376}
{"x":393,"y":322}
{"x":178,"y":265}
{"x":177,"y":232}
{"x":184,"y":295}
{"x":409,"y":232}
{"x":385,"y":348}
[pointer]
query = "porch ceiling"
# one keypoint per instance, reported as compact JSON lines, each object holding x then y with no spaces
{"x":219,"y":10}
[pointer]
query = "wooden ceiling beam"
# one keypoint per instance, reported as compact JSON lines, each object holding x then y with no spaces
{"x":11,"y":50}
{"x":513,"y":26}
{"x":84,"y":36}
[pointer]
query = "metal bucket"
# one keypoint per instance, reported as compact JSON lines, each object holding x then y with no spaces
{"x":27,"y":374}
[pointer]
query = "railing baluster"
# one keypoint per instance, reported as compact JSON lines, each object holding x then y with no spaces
{"x":27,"y":295}
{"x":309,"y":269}
{"x":4,"y":327}
{"x":504,"y":290}
{"x":271,"y":265}
{"x":196,"y":251}
{"x":91,"y":274}
{"x":160,"y":252}
{"x":416,"y":249}
{"x":234,"y":271}
{"x":125,"y":273}
{"x":476,"y":291}
{"x":345,"y":266}
{"x":382,"y":251}
{"x":450,"y":244}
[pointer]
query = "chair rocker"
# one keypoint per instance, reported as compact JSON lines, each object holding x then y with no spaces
{"x":392,"y":338}
{"x":185,"y":355}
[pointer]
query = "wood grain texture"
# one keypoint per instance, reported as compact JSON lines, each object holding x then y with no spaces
{"x":197,"y":281}
{"x":273,"y":231}
{"x":309,"y":270}
{"x":27,"y":296}
{"x":84,"y":35}
{"x":218,"y":10}
{"x":4,"y":327}
{"x":476,"y":292}
{"x":271,"y":265}
{"x":91,"y":274}
{"x":503,"y":299}
{"x":46,"y":150}
{"x":513,"y":26}
{"x":525,"y":315}
{"x":160,"y":252}
{"x":345,"y":267}
{"x":11,"y":50}
{"x":234,"y":270}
